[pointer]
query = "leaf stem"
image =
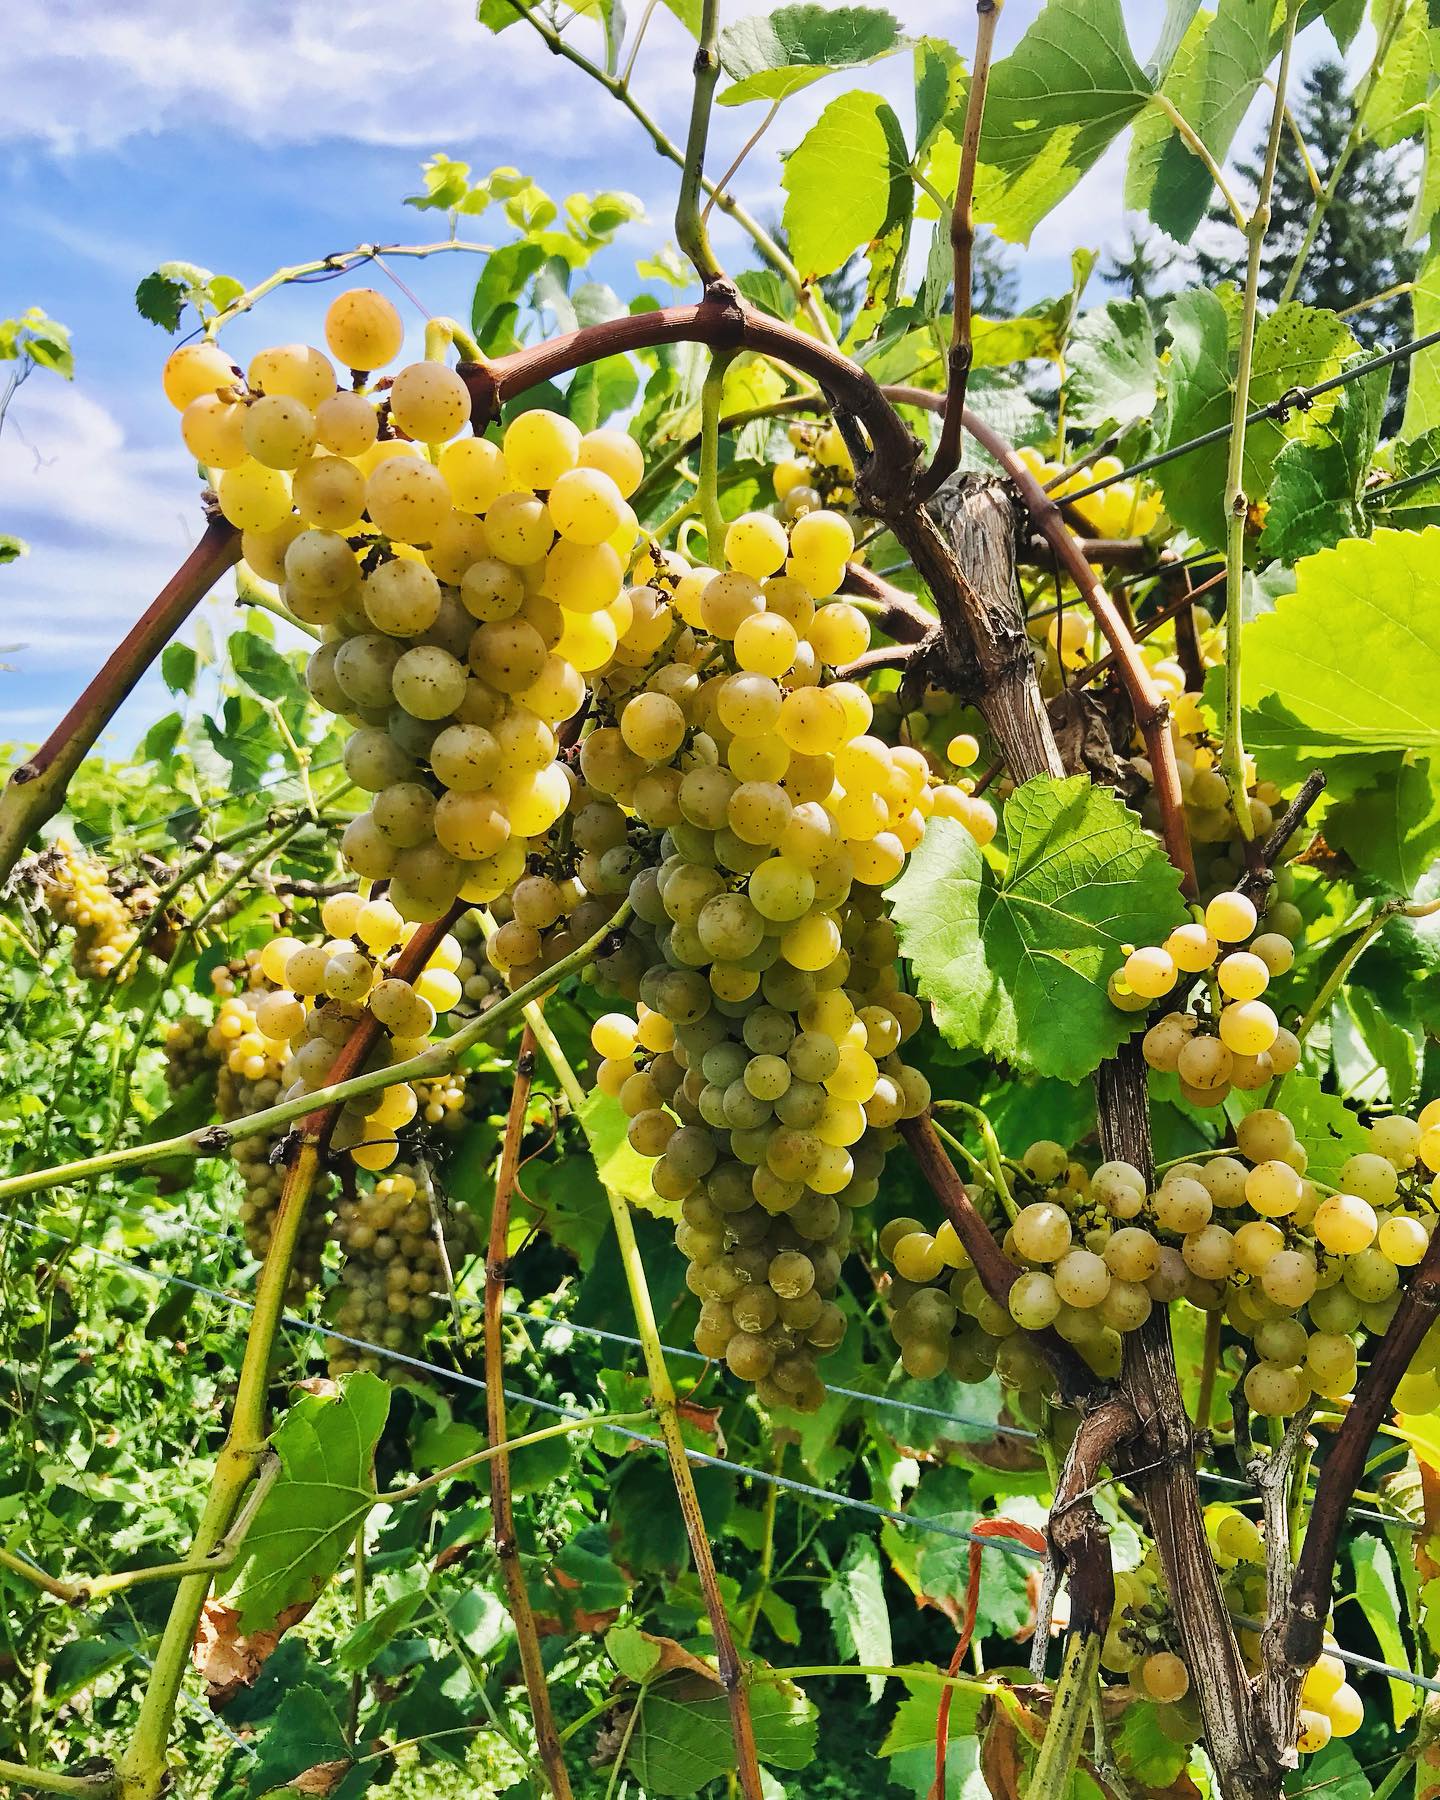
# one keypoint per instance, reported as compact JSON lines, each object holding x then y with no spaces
{"x":1237,"y":505}
{"x":1195,"y":144}
{"x":51,"y":1781}
{"x":502,"y":1505}
{"x":1387,"y":910}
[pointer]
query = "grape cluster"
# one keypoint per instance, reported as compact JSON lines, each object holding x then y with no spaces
{"x":462,"y":595}
{"x":321,"y":993}
{"x":393,"y":1275}
{"x":1300,"y":1272}
{"x":249,"y":1064}
{"x":1212,"y":1048}
{"x":819,"y":474}
{"x":1122,"y":510}
{"x":1141,"y":1639}
{"x":76,"y":890}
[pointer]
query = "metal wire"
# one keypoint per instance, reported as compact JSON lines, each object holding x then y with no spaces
{"x":1294,"y":399}
{"x":278,"y":776}
{"x":885,"y":1402}
{"x":768,"y":1477}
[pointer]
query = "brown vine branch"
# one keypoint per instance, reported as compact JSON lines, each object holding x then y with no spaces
{"x":900,"y":616}
{"x":1257,"y":879}
{"x":502,"y":1506}
{"x":1279,"y":1684}
{"x":962,"y":244}
{"x":35,"y":791}
{"x":1077,"y":1533}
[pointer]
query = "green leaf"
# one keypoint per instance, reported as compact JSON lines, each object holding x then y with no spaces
{"x":682,"y":1736}
{"x":1416,"y":503}
{"x":1113,"y":375}
{"x":771,"y":55}
{"x":939,"y":89}
{"x":635,"y":1654}
{"x":1316,"y":487}
{"x":303,"y":1734}
{"x":1146,"y":1754}
{"x":1379,"y":1599}
{"x":855,"y":143}
{"x":1397,"y":103}
{"x":1016,"y":963}
{"x":178,"y":666}
{"x":854,"y":1597}
{"x":1422,"y":398}
{"x":620,"y":1168}
{"x":12,"y":548}
{"x":1391,"y":1045}
{"x":1178,"y":14}
{"x":263,"y":669}
{"x":1295,"y":346}
{"x":39,"y":339}
{"x":1038,"y":333}
{"x":1369,"y":604}
{"x":1215,"y":75}
{"x":1391,"y":830}
{"x":308,"y":1520}
{"x":374,"y":1632}
{"x":501,"y":283}
{"x":909,"y":1744}
{"x":164,"y":293}
{"x":1336,"y":1774}
{"x":1056,"y":102}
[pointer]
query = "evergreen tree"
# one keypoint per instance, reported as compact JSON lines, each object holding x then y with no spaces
{"x":1142,"y":271}
{"x":1359,"y":249}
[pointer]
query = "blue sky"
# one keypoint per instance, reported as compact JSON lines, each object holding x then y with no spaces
{"x":254,"y":133}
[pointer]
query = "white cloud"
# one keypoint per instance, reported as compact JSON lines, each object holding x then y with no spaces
{"x":84,"y":75}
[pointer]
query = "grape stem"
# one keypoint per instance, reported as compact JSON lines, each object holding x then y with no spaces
{"x":993,"y":1159}
{"x":502,"y":1505}
{"x":214,"y":1140}
{"x":734,"y":1676}
{"x":35,"y":791}
{"x":690,"y":232}
{"x":1335,"y":980}
{"x":962,"y":245}
{"x":1069,"y":1713}
{"x":708,"y":494}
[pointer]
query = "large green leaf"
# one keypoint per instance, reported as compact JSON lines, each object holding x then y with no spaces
{"x":855,"y":148}
{"x":1214,"y":77}
{"x":854,"y":1597}
{"x":1056,"y":102}
{"x":1349,"y":663}
{"x":1295,"y":346}
{"x":308,"y":1520}
{"x":303,"y":1734}
{"x":1319,"y":477}
{"x":1397,"y":103}
{"x":682,"y":1740}
{"x":1015,"y":964}
{"x":1379,"y":1598}
{"x":1113,"y":373}
{"x":1391,"y":829}
{"x":909,"y":1746}
{"x":1422,"y":398}
{"x":774,"y":54}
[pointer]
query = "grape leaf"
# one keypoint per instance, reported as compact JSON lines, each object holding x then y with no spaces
{"x":1069,"y":87}
{"x":304,"y":1734}
{"x":856,"y":144}
{"x":12,"y":548}
{"x":1016,"y":963}
{"x":1413,"y":499}
{"x":771,"y":55}
{"x":1379,"y":1598}
{"x":308,"y":1520}
{"x":1114,"y":376}
{"x":1396,"y":106}
{"x":910,"y":1746}
{"x":178,"y":667}
{"x":1295,"y":346}
{"x":1318,"y":478}
{"x":1422,"y":397}
{"x":681,"y":1739}
{"x":1145,"y":1753}
{"x":1351,"y":658}
{"x":1215,"y":75}
{"x":1391,"y":830}
{"x":854,"y":1597}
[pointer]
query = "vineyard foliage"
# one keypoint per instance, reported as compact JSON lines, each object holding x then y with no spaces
{"x":877,"y":1232}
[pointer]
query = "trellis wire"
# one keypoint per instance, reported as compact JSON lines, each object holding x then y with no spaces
{"x":1294,"y":399}
{"x":766,"y":1477}
{"x":277,"y":778}
{"x":885,"y":1402}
